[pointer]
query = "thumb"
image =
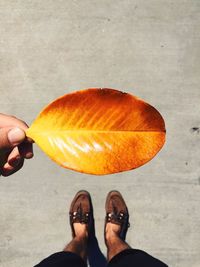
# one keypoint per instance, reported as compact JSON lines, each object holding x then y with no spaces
{"x":11,"y":137}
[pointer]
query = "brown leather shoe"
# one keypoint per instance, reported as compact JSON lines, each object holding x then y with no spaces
{"x":81,"y":211}
{"x":117,"y":212}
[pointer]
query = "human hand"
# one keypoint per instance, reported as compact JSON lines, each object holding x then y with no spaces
{"x":14,"y":145}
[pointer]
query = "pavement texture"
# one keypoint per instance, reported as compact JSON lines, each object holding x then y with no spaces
{"x":148,"y":48}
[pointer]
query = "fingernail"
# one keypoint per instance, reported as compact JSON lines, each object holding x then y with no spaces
{"x":16,"y":136}
{"x":29,"y":155}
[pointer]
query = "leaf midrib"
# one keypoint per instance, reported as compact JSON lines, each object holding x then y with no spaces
{"x":99,"y":131}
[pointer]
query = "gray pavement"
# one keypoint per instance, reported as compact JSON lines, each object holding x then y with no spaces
{"x":149,"y":48}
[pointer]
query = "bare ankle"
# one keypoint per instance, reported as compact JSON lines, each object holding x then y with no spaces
{"x":112,"y":233}
{"x":81,"y":231}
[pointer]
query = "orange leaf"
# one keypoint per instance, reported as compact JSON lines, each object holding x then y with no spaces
{"x":99,"y":131}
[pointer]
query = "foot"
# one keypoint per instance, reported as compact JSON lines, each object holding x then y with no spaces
{"x":81,"y":216}
{"x":117,"y":218}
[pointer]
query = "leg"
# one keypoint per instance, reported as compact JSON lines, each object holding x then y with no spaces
{"x":116,"y":224}
{"x":119,"y":253}
{"x":78,"y":245}
{"x":113,"y":242}
{"x":82,"y":224}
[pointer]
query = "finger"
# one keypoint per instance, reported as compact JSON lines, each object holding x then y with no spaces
{"x":11,"y":121}
{"x":7,"y":169}
{"x":26,"y":150}
{"x":14,"y":157}
{"x":10,"y":137}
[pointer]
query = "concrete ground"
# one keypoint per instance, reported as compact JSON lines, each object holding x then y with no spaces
{"x":148,"y":48}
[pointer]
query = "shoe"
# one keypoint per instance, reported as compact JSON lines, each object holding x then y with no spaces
{"x":117,"y":213}
{"x":81,"y":211}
